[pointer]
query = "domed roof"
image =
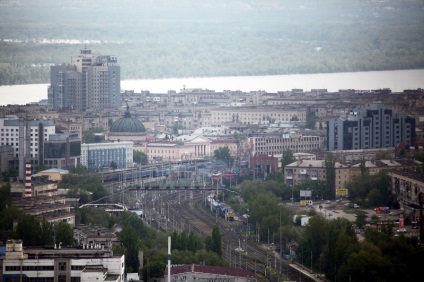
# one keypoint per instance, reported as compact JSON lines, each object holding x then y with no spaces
{"x":127,"y":124}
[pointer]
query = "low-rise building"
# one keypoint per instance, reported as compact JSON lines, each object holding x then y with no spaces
{"x":61,"y":264}
{"x":406,"y":186}
{"x":204,"y":273}
{"x":96,"y":156}
{"x":40,"y":186}
{"x":263,"y":164}
{"x":53,"y":209}
{"x":53,"y":174}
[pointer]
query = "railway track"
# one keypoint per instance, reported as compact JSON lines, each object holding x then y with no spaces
{"x":239,"y":252}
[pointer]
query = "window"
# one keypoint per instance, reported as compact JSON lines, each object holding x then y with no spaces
{"x":62,"y":266}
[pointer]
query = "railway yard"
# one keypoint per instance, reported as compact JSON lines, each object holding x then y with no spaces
{"x":187,"y":210}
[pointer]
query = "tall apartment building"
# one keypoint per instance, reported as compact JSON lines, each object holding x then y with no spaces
{"x":371,"y":127}
{"x":27,"y":138}
{"x":91,"y":81}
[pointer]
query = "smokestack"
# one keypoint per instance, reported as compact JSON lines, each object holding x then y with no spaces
{"x":169,"y":258}
{"x":28,"y":189}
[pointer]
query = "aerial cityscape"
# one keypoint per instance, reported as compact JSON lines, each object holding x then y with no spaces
{"x":103,"y":183}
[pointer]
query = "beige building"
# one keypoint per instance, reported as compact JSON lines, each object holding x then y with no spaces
{"x":53,"y":174}
{"x":232,"y":145}
{"x":198,"y":147}
{"x":276,"y":144}
{"x":255,"y":115}
{"x":40,"y":186}
{"x":301,"y":170}
{"x":407,"y":185}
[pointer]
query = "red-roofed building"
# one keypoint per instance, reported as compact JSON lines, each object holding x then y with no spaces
{"x":203,"y":273}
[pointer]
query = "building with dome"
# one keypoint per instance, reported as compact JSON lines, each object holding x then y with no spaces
{"x":127,"y":128}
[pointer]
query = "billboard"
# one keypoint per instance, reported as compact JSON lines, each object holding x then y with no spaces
{"x":341,"y":192}
{"x":305,"y":193}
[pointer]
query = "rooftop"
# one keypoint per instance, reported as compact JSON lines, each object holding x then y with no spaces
{"x":219,"y":270}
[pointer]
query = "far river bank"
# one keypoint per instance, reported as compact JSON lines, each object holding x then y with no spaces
{"x":397,"y":80}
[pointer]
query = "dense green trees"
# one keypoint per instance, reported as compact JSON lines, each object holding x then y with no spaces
{"x":332,"y":246}
{"x":140,"y":157}
{"x":287,"y":158}
{"x":223,"y":154}
{"x":372,"y":190}
{"x":213,"y":242}
{"x":64,"y":234}
{"x":33,"y":231}
{"x":5,"y":197}
{"x":88,"y":187}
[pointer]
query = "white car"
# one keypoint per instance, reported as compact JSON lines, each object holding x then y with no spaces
{"x":401,"y":230}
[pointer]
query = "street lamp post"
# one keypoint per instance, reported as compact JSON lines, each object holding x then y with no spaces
{"x":292,"y":193}
{"x":281,"y":236}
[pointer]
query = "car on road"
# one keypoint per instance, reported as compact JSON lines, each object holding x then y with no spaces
{"x":401,"y":230}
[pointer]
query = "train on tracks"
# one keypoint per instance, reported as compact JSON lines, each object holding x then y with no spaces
{"x":174,"y":172}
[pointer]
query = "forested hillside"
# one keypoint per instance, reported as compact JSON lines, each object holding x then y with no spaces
{"x":186,"y":38}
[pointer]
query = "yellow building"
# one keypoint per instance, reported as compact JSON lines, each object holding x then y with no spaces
{"x":53,"y":174}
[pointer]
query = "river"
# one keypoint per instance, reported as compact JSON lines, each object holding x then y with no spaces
{"x":397,"y":80}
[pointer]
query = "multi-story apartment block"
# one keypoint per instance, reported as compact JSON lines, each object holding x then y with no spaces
{"x":95,"y":156}
{"x":91,"y":263}
{"x":91,"y":81}
{"x":27,"y":138}
{"x":299,"y":171}
{"x":407,"y":185}
{"x":371,"y":127}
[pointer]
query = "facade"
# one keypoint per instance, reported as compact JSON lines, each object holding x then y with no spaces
{"x":231,"y":144}
{"x":91,"y":81}
{"x":6,"y":154}
{"x":406,"y":186}
{"x":62,"y":151}
{"x":302,"y":170}
{"x":95,"y":156}
{"x":371,"y":127}
{"x":198,"y":147}
{"x":255,"y":115}
{"x":27,"y":138}
{"x":276,"y":144}
{"x":61,"y":264}
{"x":203,"y":273}
{"x":263,"y":164}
